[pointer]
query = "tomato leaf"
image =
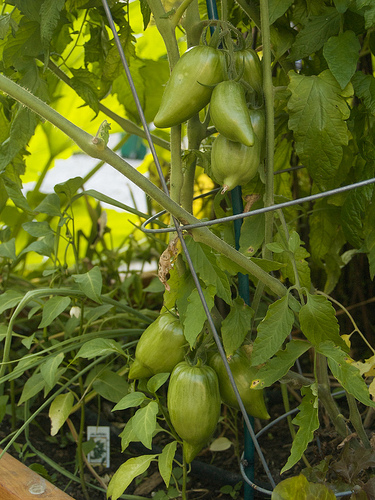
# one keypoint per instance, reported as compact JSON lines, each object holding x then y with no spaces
{"x":126,"y":473}
{"x":345,"y":372}
{"x":236,"y":325}
{"x":59,"y":411}
{"x":318,"y":321}
{"x":342,"y":53}
{"x":318,"y":111}
{"x":308,"y":421}
{"x":364,"y":87}
{"x":165,"y":461}
{"x":144,"y":423}
{"x":194,"y":316}
{"x":298,"y":487}
{"x":278,"y":366}
{"x":277,"y":8}
{"x":272,"y":331}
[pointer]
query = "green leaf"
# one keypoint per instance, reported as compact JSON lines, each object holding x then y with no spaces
{"x":113,"y":65}
{"x":99,"y":347}
{"x":86,"y":85}
{"x":37,"y":229}
{"x":130,"y":400}
{"x":277,"y":8}
{"x":324,"y":228}
{"x":146,"y":13}
{"x":69,"y":187}
{"x":369,"y":230}
{"x":126,"y":473}
{"x":144,"y":423}
{"x":318,"y":321}
{"x":272,"y":331}
{"x":111,"y":386}
{"x":364,"y":88}
{"x":342,"y":53}
{"x":315,"y":33}
{"x":342,"y":5}
{"x":33,"y":385}
{"x":165,"y":461}
{"x":53,"y":308}
{"x":50,"y":369}
{"x":14,"y":192}
{"x":50,"y":206}
{"x":60,"y":410}
{"x":252,"y":234}
{"x":92,"y":314}
{"x":49,"y":18}
{"x":236,"y":325}
{"x":8,"y":249}
{"x":298,"y":488}
{"x":340,"y":364}
{"x":194,"y":317}
{"x":25,"y":44}
{"x":44,"y":246}
{"x":369,"y":12}
{"x":155,"y":382}
{"x":90,"y":283}
{"x":3,"y":406}
{"x":318,"y":110}
{"x":128,"y":435}
{"x":278,"y":366}
{"x":308,"y":421}
{"x":205,"y":264}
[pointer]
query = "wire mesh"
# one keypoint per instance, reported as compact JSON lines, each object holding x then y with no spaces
{"x":180,"y":228}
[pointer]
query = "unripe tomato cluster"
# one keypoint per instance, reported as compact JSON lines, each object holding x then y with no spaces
{"x":195,"y":391}
{"x":200,"y":78}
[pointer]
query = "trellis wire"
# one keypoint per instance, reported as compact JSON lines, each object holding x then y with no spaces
{"x":184,"y":247}
{"x":179,"y":229}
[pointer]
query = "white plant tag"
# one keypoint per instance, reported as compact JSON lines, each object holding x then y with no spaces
{"x":100,"y":454}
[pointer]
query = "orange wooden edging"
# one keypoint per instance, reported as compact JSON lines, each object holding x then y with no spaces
{"x":18,"y":482}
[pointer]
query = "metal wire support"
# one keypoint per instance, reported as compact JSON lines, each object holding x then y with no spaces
{"x":184,"y":247}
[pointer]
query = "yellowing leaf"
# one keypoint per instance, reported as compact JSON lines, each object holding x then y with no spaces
{"x":59,"y":411}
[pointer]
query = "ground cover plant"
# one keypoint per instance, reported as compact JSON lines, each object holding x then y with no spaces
{"x":267,"y":109}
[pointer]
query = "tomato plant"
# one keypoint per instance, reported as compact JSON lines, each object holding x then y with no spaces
{"x":279,"y":100}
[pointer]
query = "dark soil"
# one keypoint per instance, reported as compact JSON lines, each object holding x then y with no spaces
{"x":210,"y":471}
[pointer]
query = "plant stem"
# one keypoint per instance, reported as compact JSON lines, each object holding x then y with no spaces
{"x":176,"y":179}
{"x":84,"y":141}
{"x":356,"y":421}
{"x":270,"y":132}
{"x":175,"y":19}
{"x":184,"y":480}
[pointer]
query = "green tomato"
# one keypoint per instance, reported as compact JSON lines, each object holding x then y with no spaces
{"x":248,"y":64}
{"x":229,"y":112}
{"x":161,"y":346}
{"x":243,"y":374}
{"x":190,"y":85}
{"x":258,"y":121}
{"x":194,"y":405}
{"x":232,"y":163}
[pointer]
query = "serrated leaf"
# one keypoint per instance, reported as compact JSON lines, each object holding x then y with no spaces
{"x":86,"y":85}
{"x":49,"y":18}
{"x":272,"y":331}
{"x":308,"y":422}
{"x":318,"y":110}
{"x":278,"y":366}
{"x":315,"y":33}
{"x":277,"y":8}
{"x":60,"y":410}
{"x":343,"y":369}
{"x":52,"y":309}
{"x":49,"y":369}
{"x":144,"y":423}
{"x":324,"y":228}
{"x":126,"y":473}
{"x":299,"y":488}
{"x":194,"y":316}
{"x":205,"y":264}
{"x":318,"y":321}
{"x":8,"y":249}
{"x":129,"y":401}
{"x":342,"y":53}
{"x":14,"y":192}
{"x":111,"y":386}
{"x":364,"y":88}
{"x":236,"y":325}
{"x":99,"y":347}
{"x":90,"y":283}
{"x":155,"y":382}
{"x":165,"y":461}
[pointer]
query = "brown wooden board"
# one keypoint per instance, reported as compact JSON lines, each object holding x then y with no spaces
{"x":18,"y":482}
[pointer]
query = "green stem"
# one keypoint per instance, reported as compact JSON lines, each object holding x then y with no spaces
{"x":84,"y":141}
{"x":270,"y":132}
{"x":176,"y":179}
{"x":175,"y":19}
{"x":356,"y":421}
{"x":184,"y":480}
{"x":79,"y":446}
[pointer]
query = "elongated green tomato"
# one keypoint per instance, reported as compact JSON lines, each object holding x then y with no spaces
{"x":161,"y":346}
{"x":248,"y":64}
{"x":243,"y":375}
{"x":232,"y":163}
{"x":229,"y":112}
{"x":190,"y":85}
{"x":258,"y":121}
{"x":194,"y":405}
